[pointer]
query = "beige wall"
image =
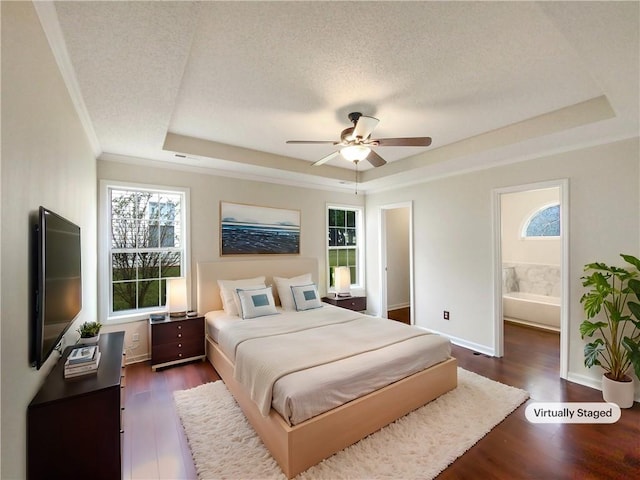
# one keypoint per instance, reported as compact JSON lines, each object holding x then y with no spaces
{"x":206,"y":192}
{"x":454,"y":238}
{"x":46,"y":160}
{"x":516,"y":209}
{"x":398,"y":256}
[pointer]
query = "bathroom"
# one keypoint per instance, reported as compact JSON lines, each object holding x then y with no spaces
{"x":531,"y":258}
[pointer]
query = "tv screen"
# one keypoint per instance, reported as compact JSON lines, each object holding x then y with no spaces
{"x":58,"y":288}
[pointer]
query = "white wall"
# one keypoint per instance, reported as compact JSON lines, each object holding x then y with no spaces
{"x":454,"y":245}
{"x":398,"y":273}
{"x":46,"y":160}
{"x":206,"y":192}
{"x":517,"y":208}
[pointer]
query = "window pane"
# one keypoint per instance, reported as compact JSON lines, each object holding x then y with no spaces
{"x":332,"y":217}
{"x":123,"y":233}
{"x":148,"y":265}
{"x":170,"y":264}
{"x":123,"y":266}
{"x":351,"y":218}
{"x":124,"y":296}
{"x":545,"y":223}
{"x":149,"y":294}
{"x":333,"y":258}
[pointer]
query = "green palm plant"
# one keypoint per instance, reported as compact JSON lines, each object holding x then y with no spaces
{"x":611,"y":291}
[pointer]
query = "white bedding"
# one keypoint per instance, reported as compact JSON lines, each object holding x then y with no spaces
{"x":303,"y":394}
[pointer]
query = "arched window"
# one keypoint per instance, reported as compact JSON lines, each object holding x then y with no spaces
{"x":543,"y":223}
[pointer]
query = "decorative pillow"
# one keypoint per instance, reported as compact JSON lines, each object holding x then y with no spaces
{"x":306,"y":297}
{"x":283,"y":285}
{"x":228,"y":292}
{"x":257,"y":302}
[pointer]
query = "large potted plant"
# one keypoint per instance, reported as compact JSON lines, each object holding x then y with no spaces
{"x":616,"y":347}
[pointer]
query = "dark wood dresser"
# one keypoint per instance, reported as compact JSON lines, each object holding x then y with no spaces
{"x":357,"y":304}
{"x":176,"y":340}
{"x":75,"y":426}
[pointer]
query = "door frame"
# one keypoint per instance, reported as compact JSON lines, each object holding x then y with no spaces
{"x":382,"y":260}
{"x":563,"y":185}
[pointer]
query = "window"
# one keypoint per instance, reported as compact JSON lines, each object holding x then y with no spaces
{"x":344,"y":228}
{"x":543,"y":223}
{"x":144,"y":229}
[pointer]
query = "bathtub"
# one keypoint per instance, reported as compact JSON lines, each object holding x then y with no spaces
{"x":531,"y":309}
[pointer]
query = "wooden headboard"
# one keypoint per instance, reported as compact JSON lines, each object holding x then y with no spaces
{"x":208,"y":274}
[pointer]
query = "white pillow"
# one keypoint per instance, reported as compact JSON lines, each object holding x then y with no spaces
{"x":256,"y":302}
{"x":306,"y":297}
{"x":284,"y":285}
{"x":228,"y":292}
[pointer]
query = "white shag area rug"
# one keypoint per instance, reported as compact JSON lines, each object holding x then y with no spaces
{"x":417,"y":446}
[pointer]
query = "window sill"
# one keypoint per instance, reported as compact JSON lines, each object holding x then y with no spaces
{"x":131,"y":318}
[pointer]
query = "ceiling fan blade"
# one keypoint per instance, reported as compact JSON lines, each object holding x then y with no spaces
{"x":376,"y":160}
{"x":325,"y":159}
{"x":365,"y":126}
{"x":312,"y":142}
{"x":403,"y":142}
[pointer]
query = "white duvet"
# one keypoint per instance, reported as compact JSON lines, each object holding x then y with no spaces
{"x":305,"y":363}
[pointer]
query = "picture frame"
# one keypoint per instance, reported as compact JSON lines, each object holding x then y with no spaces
{"x":258,"y":230}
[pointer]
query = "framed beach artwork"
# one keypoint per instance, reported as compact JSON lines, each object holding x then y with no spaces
{"x":254,"y":230}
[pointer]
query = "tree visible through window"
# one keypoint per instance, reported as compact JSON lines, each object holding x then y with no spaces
{"x":544,"y":223}
{"x":343,"y":242}
{"x":146,"y":246}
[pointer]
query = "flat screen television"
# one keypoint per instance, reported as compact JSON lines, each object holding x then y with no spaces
{"x":57,"y":284}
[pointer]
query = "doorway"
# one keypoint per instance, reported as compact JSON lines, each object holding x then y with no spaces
{"x":396,"y":262}
{"x":531,"y":267}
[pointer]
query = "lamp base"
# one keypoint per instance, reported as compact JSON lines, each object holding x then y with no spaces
{"x":343,"y":295}
{"x":178,"y":314}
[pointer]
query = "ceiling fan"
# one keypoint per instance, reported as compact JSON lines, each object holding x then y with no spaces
{"x":356,"y":142}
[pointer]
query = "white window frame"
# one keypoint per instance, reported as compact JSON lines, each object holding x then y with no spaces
{"x":357,"y":283}
{"x":104,"y":241}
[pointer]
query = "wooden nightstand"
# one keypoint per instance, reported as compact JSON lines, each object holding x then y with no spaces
{"x":176,"y":340}
{"x":357,"y":304}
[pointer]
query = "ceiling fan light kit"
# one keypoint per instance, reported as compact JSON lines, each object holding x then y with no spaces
{"x":356,"y":142}
{"x":355,"y":152}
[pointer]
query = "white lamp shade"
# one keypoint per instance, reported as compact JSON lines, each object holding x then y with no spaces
{"x":342,"y":281}
{"x":177,"y":295}
{"x":355,"y":152}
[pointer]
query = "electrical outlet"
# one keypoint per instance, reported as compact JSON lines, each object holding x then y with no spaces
{"x":445,"y":315}
{"x":135,"y":337}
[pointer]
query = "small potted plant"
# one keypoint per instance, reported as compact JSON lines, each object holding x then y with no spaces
{"x":616,"y":347}
{"x":89,"y":332}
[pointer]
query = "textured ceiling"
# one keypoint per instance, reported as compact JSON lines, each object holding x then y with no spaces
{"x":225,"y":84}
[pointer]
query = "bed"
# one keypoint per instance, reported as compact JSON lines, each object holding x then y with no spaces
{"x":300,"y":437}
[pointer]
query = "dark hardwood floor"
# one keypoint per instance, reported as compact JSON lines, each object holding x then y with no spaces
{"x":400,"y":315}
{"x":155,"y":446}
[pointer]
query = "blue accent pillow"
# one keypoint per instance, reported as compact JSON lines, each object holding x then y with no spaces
{"x":256,"y":302}
{"x":305,"y":297}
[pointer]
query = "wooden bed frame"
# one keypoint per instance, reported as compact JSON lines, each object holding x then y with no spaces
{"x":296,"y":448}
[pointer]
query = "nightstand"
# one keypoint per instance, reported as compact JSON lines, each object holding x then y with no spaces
{"x":357,"y":304}
{"x":176,"y":340}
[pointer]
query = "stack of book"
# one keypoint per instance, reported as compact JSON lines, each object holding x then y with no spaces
{"x":82,"y":361}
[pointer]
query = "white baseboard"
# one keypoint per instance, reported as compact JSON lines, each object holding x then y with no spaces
{"x":591,"y":382}
{"x":398,"y":306}
{"x":137,"y":358}
{"x":476,"y":347}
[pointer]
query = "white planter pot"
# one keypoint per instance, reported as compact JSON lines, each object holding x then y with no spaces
{"x":88,"y":341}
{"x":620,"y":393}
